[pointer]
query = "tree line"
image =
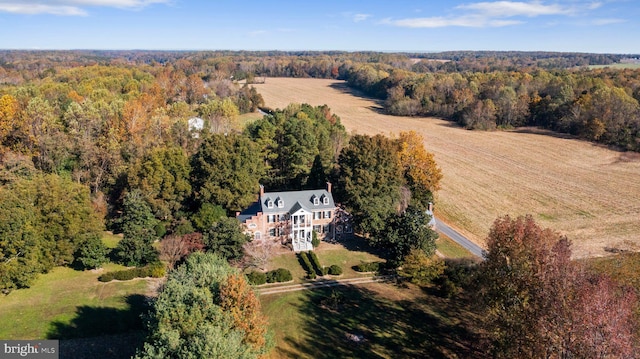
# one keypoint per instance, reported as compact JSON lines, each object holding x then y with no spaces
{"x":597,"y":105}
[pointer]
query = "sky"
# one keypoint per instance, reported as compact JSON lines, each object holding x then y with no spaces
{"x":599,"y":26}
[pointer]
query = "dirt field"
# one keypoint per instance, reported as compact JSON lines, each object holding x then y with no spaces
{"x":587,"y":192}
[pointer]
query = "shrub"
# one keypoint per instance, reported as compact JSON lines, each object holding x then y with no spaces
{"x":307,"y":265}
{"x":91,"y":253}
{"x":367,"y":267}
{"x":316,"y":263}
{"x":315,"y":241}
{"x":335,"y":269}
{"x":154,"y":270}
{"x":256,"y":278}
{"x":279,"y":275}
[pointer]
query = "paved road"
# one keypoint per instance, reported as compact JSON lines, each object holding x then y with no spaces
{"x":458,"y":238}
{"x":321,"y":283}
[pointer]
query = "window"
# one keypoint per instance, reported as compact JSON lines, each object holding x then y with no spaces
{"x":269,"y":204}
{"x":317,"y":215}
{"x":317,"y":228}
{"x":272,"y":232}
{"x":252,"y":225}
{"x":327,"y":214}
{"x":256,"y":236}
{"x":316,"y":201}
{"x":279,"y":203}
{"x":325,"y":200}
{"x":271,"y":218}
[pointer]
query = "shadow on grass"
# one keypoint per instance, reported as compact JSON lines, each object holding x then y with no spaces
{"x":95,"y":321}
{"x":355,"y":322}
{"x":99,"y":332}
{"x":358,"y":243}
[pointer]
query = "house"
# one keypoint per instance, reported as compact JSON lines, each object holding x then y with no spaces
{"x":432,"y":220}
{"x":291,"y":217}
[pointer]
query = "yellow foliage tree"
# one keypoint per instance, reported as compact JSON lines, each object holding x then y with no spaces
{"x":237,"y":298}
{"x":420,"y":169}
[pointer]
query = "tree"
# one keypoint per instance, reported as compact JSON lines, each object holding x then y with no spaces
{"x":226,"y":170}
{"x":172,"y":249}
{"x":92,"y":253}
{"x":369,"y":181}
{"x":138,"y":229}
{"x":420,"y":169}
{"x":205,"y":310}
{"x":540,"y":304}
{"x":258,"y":253}
{"x":420,"y":268}
{"x":163,"y":177}
{"x":406,"y":232}
{"x":207,"y":216}
{"x":225,"y":238}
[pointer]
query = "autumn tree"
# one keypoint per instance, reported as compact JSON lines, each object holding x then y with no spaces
{"x":420,"y":169}
{"x":541,"y":304}
{"x":205,"y":310}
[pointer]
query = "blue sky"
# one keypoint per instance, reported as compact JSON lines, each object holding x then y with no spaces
{"x":602,"y":26}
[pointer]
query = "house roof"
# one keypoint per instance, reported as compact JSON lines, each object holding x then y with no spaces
{"x":291,"y":199}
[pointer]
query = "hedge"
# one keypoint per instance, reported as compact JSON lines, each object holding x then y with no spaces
{"x":316,"y":264}
{"x":154,"y":270}
{"x":279,"y":275}
{"x":367,"y":267}
{"x":307,"y":265}
{"x":256,"y":278}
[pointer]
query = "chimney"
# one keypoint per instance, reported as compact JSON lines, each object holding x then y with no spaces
{"x":261,"y":190}
{"x":237,"y":214}
{"x":430,"y":207}
{"x":329,"y":187}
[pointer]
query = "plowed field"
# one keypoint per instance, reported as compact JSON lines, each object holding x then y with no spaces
{"x":585,"y":191}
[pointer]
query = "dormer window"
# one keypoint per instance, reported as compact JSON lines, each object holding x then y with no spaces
{"x":269,"y":203}
{"x":325,"y":200}
{"x":316,"y":200}
{"x":279,"y":203}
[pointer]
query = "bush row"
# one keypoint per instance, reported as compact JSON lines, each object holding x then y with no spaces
{"x":320,"y":270}
{"x":275,"y":276}
{"x":306,"y":264}
{"x":154,"y":270}
{"x":367,"y":267}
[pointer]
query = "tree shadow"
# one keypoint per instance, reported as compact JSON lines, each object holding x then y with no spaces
{"x":355,"y":322}
{"x":99,"y":332}
{"x":357,"y":243}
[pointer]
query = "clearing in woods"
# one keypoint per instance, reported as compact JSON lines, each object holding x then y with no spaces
{"x":585,"y":191}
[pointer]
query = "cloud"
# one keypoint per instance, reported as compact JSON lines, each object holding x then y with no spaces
{"x":257,"y":32}
{"x":511,"y":8}
{"x":601,"y":22}
{"x":494,"y":14}
{"x":70,"y":7}
{"x":360,"y":17}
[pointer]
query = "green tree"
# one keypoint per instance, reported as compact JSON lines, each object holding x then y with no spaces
{"x":91,"y":254}
{"x":205,"y":310}
{"x":163,"y":178}
{"x":369,"y":181}
{"x":138,"y":229}
{"x":226,"y":170}
{"x":420,"y":268}
{"x":406,"y":232}
{"x":207,"y":216}
{"x":225,"y":238}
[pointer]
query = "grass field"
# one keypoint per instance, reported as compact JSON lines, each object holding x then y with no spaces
{"x":392,"y":321}
{"x":589,"y":193}
{"x":617,"y":66}
{"x":66,"y":303}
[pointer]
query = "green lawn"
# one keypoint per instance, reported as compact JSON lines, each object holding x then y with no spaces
{"x":346,"y":255}
{"x":451,"y":249}
{"x":67,"y":303}
{"x":393,"y":321}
